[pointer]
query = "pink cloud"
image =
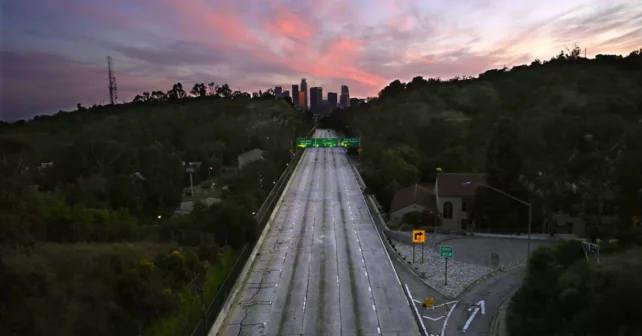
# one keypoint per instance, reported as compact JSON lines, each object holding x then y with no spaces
{"x":288,"y":24}
{"x":199,"y":20}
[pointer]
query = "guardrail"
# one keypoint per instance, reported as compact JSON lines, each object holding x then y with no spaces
{"x":262,"y":217}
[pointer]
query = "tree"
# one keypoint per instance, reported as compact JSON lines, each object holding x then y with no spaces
{"x":176,"y":92}
{"x":199,"y":90}
{"x":224,"y":91}
{"x":503,"y":172}
{"x":158,"y":96}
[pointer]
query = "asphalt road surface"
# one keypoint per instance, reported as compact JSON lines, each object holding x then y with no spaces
{"x":322,"y":269}
{"x":493,"y":291}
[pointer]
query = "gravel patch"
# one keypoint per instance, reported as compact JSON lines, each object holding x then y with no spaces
{"x":460,"y":274}
{"x":496,"y":253}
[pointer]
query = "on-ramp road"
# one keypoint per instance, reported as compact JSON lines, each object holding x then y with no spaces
{"x":493,"y":291}
{"x":322,"y":269}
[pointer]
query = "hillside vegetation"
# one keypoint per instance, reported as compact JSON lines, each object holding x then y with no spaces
{"x":564,"y":134}
{"x":90,"y":243}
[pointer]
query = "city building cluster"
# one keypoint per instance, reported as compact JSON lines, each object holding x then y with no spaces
{"x":312,"y":100}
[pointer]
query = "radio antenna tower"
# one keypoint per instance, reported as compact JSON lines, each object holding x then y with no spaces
{"x":113,"y":91}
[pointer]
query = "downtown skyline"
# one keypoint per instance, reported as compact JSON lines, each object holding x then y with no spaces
{"x":54,"y":53}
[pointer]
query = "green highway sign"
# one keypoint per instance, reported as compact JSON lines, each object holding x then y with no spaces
{"x":326,"y":142}
{"x":304,"y":142}
{"x":317,"y":142}
{"x":350,"y":142}
{"x":446,"y":251}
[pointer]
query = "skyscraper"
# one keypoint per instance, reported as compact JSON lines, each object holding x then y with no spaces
{"x":304,"y":89}
{"x":345,"y":96}
{"x":316,"y":96}
{"x":285,"y":93}
{"x":277,"y":91}
{"x":332,"y":100}
{"x":301,"y":98}
{"x":295,"y":95}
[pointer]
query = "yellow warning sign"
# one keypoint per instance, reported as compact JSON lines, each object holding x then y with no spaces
{"x":359,"y":150}
{"x":291,"y":150}
{"x":635,"y":220}
{"x":429,"y":303}
{"x":418,"y":236}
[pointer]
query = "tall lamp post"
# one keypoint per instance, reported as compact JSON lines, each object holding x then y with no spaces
{"x":528,"y":204}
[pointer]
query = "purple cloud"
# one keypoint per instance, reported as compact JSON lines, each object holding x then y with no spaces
{"x":54,"y":55}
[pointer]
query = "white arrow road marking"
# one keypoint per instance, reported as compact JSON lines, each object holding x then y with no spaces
{"x":481,"y":304}
{"x":470,"y":319}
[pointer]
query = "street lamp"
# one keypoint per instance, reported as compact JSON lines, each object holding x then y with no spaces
{"x":528,"y":204}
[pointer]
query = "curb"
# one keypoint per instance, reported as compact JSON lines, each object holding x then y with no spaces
{"x":495,"y":323}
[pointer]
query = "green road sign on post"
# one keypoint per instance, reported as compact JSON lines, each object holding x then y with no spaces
{"x":446,"y":252}
{"x":350,"y":142}
{"x":304,"y":142}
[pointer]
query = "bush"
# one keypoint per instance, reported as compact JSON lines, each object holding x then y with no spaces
{"x":98,"y":289}
{"x":565,"y":295}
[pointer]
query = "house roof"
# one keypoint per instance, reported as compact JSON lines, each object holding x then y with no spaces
{"x":454,"y":184}
{"x":252,"y":152}
{"x":414,"y":194}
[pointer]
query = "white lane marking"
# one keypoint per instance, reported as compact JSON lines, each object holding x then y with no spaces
{"x":369,"y":289}
{"x":415,"y":308}
{"x":416,"y":301}
{"x":373,"y":308}
{"x":470,"y":320}
{"x":378,"y":330}
{"x":434,"y":318}
{"x":446,"y":303}
{"x":443,"y":328}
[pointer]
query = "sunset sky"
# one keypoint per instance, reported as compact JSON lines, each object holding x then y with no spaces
{"x":54,"y":51}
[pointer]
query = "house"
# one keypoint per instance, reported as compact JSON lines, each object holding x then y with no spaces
{"x":249,"y":157}
{"x":455,"y":193}
{"x":410,"y":199}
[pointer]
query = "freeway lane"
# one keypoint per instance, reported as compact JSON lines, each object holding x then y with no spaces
{"x":322,"y":269}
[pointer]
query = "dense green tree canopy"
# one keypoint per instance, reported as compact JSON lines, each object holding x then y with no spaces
{"x":89,"y":242}
{"x":561,"y":134}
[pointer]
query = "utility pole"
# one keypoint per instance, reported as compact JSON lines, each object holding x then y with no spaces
{"x":113,"y":90}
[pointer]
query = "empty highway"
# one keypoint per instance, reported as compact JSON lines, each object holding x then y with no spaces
{"x":322,"y":268}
